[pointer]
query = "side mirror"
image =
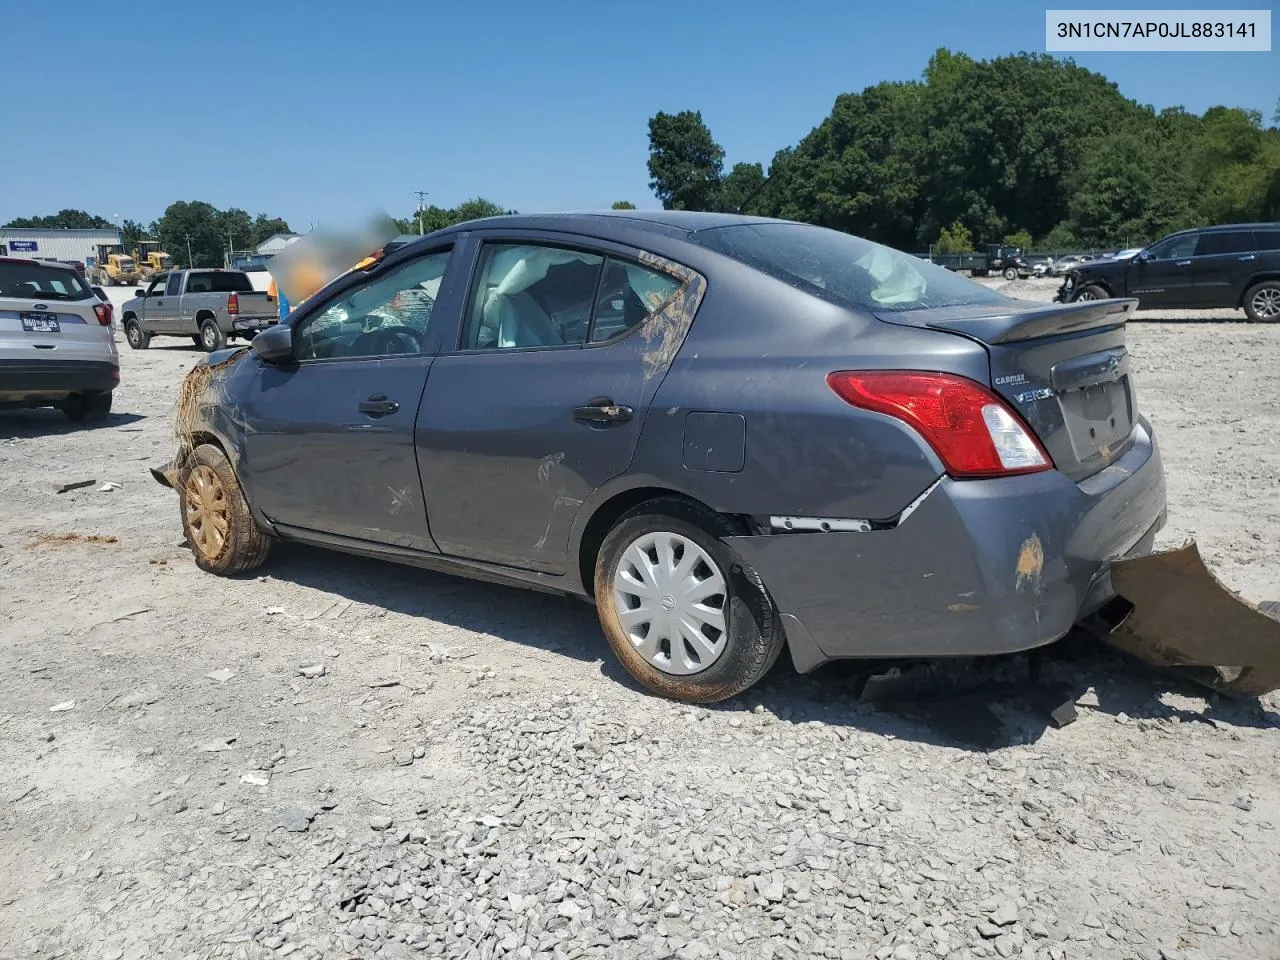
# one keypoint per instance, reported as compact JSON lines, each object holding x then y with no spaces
{"x":274,"y":344}
{"x":1144,"y":256}
{"x":139,"y":292}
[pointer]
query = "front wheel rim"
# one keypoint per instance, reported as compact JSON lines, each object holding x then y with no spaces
{"x":208,"y":513}
{"x":671,"y":600}
{"x":1086,"y":295}
{"x":1266,"y":304}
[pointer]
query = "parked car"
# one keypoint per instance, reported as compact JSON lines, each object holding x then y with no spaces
{"x":56,"y":346}
{"x":1223,"y":267}
{"x":208,"y":306}
{"x":733,"y":434}
{"x":1063,"y":265}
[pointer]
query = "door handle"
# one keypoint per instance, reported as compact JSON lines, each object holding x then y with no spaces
{"x":1246,"y":258}
{"x":377,"y":405}
{"x":1184,"y":263}
{"x":603,"y":410}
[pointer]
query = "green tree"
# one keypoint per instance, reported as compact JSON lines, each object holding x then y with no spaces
{"x":194,"y":226}
{"x":955,"y":239}
{"x":133,"y":232}
{"x":685,"y":162}
{"x":740,"y":188}
{"x":64,"y":220}
{"x":437,"y":218}
{"x":1020,"y":239}
{"x":1060,"y":239}
{"x":623,"y":205}
{"x":265,"y":227}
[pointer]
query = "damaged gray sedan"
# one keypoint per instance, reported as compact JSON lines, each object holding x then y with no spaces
{"x":733,"y":434}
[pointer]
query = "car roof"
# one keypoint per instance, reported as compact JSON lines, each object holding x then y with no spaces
{"x":1218,"y":227}
{"x":601,"y":222}
{"x":47,"y":264}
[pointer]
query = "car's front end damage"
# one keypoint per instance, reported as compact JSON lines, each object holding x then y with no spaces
{"x":202,"y":412}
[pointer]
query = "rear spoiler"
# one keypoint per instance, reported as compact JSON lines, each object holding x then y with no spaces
{"x":1019,"y":323}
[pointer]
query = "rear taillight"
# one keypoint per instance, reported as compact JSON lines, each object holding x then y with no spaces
{"x":972,"y":430}
{"x":233,"y":304}
{"x":103,"y":312}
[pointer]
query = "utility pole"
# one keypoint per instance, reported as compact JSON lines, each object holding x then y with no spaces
{"x":189,"y":257}
{"x":421,"y":195}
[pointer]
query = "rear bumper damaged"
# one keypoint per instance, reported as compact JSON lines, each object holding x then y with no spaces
{"x":978,"y":567}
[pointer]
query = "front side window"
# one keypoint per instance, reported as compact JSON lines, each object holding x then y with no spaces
{"x":844,"y":269}
{"x":387,"y":316}
{"x":156,"y":288}
{"x":175,"y":284}
{"x":1175,"y":248}
{"x":1215,"y":244}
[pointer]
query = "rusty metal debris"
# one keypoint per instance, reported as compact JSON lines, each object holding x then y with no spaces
{"x":1173,"y":612}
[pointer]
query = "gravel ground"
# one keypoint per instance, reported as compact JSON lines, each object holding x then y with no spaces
{"x":345,"y":758}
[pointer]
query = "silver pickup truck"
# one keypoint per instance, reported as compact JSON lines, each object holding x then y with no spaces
{"x":209,"y":306}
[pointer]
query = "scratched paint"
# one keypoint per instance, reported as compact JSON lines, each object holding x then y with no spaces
{"x":547,"y":464}
{"x":1030,"y":562}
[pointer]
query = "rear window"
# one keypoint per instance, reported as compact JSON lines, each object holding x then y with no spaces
{"x":1267,"y":239}
{"x":28,"y":279}
{"x":845,"y":269}
{"x":1215,"y":244}
{"x":219,"y":281}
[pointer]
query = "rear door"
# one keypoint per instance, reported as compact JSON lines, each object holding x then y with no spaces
{"x":544,"y":398}
{"x":329,"y":439}
{"x":1223,"y":262}
{"x":1163,"y":276}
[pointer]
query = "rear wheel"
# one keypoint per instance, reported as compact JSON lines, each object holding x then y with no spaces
{"x":682,"y":612}
{"x":137,"y":338}
{"x":222,"y":534}
{"x":1011,"y":273}
{"x":93,"y":406}
{"x":1092,"y":292}
{"x":211,"y":337}
{"x":1262,"y":302}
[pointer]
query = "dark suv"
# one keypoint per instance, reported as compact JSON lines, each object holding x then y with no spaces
{"x":1230,"y":266}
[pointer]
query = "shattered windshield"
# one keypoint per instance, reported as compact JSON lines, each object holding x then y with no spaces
{"x":845,"y":269}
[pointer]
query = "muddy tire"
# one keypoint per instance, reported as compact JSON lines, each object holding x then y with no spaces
{"x":94,"y":406}
{"x":222,"y":534}
{"x":135,"y":336}
{"x":211,"y":336}
{"x":1091,"y":291}
{"x":684,"y":615}
{"x":1262,"y":302}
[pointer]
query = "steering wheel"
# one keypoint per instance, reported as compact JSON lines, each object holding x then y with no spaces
{"x":388,"y":341}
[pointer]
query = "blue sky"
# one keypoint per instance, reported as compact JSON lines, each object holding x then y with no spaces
{"x":325,"y":111}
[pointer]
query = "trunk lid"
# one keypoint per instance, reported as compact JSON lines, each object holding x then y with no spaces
{"x":1063,"y":367}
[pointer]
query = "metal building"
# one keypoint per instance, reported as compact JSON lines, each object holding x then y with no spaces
{"x":49,"y":244}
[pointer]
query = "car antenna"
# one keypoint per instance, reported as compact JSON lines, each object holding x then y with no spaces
{"x":754,"y":193}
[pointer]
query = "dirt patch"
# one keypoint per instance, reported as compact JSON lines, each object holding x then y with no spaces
{"x":63,"y":539}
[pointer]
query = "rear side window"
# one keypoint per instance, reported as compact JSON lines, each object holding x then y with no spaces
{"x":845,"y":269}
{"x":175,"y":284}
{"x":530,"y":295}
{"x":629,"y":295}
{"x":1267,"y":239}
{"x":30,"y":279}
{"x":1225,"y":241}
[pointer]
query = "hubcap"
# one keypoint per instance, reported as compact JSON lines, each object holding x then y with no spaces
{"x":208,"y":336}
{"x":1266,"y":303}
{"x":208,"y":515}
{"x":671,"y":600}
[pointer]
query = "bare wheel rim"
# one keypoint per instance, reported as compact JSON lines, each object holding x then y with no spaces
{"x":208,"y":515}
{"x":208,"y":335}
{"x":1266,"y":303}
{"x":135,"y":335}
{"x":672,"y":603}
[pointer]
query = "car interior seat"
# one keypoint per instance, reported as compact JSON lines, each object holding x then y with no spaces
{"x":517,"y":320}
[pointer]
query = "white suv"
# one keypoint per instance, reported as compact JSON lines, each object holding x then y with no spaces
{"x":56,"y":342}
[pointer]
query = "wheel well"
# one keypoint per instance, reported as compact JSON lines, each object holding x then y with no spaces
{"x":1254,"y":281}
{"x":205,"y":315}
{"x":203,"y":436}
{"x":607,"y":515}
{"x":129,"y":316}
{"x":1099,"y":283}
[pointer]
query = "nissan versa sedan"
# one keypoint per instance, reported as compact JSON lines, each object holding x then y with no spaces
{"x":733,"y":434}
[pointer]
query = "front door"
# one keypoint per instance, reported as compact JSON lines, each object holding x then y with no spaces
{"x":329,"y":440}
{"x":152,"y":306}
{"x":1163,"y":274}
{"x":545,"y":399}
